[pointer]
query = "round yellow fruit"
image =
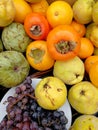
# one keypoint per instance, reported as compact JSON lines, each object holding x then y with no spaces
{"x":85,"y":122}
{"x":59,"y":13}
{"x":51,"y":93}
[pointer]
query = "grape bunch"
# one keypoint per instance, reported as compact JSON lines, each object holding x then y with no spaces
{"x":24,"y":113}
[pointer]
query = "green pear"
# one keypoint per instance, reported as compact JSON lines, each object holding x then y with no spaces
{"x":85,"y":122}
{"x":83,"y":97}
{"x":70,"y":72}
{"x":82,"y":10}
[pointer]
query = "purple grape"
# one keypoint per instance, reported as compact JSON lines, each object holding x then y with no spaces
{"x":18,"y":90}
{"x":26,"y":126}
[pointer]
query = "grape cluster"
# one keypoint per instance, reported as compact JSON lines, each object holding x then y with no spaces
{"x":24,"y":113}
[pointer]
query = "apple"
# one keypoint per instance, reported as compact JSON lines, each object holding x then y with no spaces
{"x":82,"y":10}
{"x":70,"y":71}
{"x":85,"y":122}
{"x":83,"y":97}
{"x":51,"y":93}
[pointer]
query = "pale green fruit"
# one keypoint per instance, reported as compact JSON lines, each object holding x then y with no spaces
{"x":83,"y":97}
{"x":85,"y":122}
{"x":15,"y":38}
{"x":95,"y":13}
{"x":70,"y":71}
{"x":89,"y":29}
{"x":51,"y":93}
{"x":14,"y":68}
{"x":82,"y":10}
{"x":94,"y":35}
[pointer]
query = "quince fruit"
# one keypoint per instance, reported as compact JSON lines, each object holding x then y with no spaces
{"x":83,"y":97}
{"x":7,"y":12}
{"x":51,"y":93}
{"x":85,"y":122}
{"x":70,"y":72}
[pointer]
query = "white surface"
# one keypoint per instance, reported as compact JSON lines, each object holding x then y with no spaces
{"x":66,"y":107}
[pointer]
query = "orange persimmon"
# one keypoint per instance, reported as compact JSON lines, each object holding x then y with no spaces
{"x":80,"y":28}
{"x":38,"y":55}
{"x":36,"y":26}
{"x":63,"y":42}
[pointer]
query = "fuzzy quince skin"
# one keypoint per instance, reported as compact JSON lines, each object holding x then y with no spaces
{"x":85,"y":122}
{"x":7,"y":12}
{"x":82,"y":10}
{"x":51,"y":93}
{"x":83,"y":97}
{"x":70,"y":72}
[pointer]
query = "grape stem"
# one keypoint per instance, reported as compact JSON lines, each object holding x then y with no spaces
{"x":24,"y":95}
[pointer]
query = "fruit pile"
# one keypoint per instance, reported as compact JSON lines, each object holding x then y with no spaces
{"x":61,"y":35}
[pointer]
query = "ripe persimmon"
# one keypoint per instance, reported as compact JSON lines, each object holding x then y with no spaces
{"x":86,"y":48}
{"x":93,"y":74}
{"x":40,"y":7}
{"x":89,"y":62}
{"x":38,"y":55}
{"x":80,"y":28}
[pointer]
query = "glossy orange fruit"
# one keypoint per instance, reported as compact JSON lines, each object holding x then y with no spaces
{"x":59,"y":12}
{"x":80,"y":28}
{"x":38,"y":55}
{"x":22,"y":9}
{"x":40,"y":7}
{"x":93,"y":74}
{"x":86,"y":48}
{"x":89,"y":62}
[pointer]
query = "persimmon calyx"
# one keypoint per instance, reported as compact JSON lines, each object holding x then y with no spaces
{"x":37,"y":54}
{"x":64,"y":47}
{"x":36,"y":30}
